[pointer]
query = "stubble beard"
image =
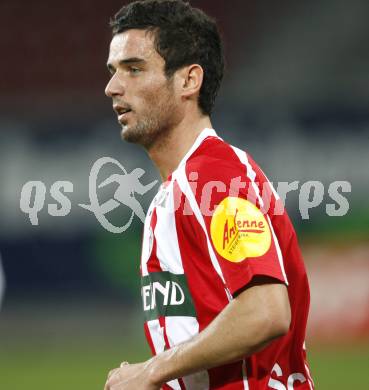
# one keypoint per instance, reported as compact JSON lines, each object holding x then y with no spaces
{"x":153,"y":127}
{"x":143,"y":133}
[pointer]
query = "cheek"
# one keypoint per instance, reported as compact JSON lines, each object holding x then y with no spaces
{"x":155,"y":95}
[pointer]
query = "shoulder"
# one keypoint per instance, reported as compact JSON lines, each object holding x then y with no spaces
{"x":214,"y":160}
{"x":217,"y":160}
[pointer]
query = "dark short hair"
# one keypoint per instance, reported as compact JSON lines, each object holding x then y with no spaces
{"x":184,"y":35}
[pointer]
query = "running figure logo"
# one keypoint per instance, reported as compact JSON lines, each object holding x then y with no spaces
{"x":128,"y":185}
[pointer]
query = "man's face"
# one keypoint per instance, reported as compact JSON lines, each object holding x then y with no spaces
{"x":143,"y":97}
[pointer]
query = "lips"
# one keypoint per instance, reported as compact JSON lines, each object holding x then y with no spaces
{"x":122,"y":111}
{"x":123,"y":116}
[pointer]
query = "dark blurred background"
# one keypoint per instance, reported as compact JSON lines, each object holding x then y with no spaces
{"x":295,"y":96}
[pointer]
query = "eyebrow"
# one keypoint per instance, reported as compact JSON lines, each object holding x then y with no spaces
{"x":131,"y":60}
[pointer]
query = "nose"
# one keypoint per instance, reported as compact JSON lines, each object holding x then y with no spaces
{"x":114,"y":86}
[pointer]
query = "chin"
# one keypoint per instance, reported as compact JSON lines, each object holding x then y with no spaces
{"x":123,"y":132}
{"x":126,"y":132}
{"x":130,"y":135}
{"x":139,"y":134}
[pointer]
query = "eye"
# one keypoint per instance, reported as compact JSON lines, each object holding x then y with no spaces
{"x":111,"y":70}
{"x":134,"y":70}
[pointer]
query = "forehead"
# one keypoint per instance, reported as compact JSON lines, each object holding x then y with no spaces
{"x":133,"y":44}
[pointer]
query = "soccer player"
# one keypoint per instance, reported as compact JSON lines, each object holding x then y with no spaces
{"x":224,"y":289}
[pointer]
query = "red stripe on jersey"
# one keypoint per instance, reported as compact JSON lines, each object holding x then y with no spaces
{"x":167,"y":346}
{"x":153,"y":264}
{"x":228,"y":377}
{"x":162,"y":325}
{"x":166,"y":387}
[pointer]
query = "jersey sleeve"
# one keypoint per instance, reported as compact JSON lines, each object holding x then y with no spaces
{"x":235,"y":209}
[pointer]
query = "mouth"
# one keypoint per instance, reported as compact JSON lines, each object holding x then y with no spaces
{"x":122,"y":112}
{"x":122,"y":117}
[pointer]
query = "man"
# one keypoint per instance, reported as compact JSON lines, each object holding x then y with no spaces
{"x":224,"y":289}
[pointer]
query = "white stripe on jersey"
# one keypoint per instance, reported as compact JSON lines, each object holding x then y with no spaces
{"x":180,"y":176}
{"x":179,"y":330}
{"x":157,"y":337}
{"x":167,"y":249}
{"x":310,"y":379}
{"x":279,"y":252}
{"x":244,"y":375}
{"x":252,"y":175}
{"x":249,"y":171}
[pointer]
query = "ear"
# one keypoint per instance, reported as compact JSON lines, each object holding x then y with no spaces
{"x":191,"y":79}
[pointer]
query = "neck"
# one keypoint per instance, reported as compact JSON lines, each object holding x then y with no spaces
{"x":167,"y":153}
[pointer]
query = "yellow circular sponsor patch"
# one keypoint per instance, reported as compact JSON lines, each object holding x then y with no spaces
{"x":239,"y":230}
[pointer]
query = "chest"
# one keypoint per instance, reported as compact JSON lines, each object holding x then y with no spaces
{"x":160,"y":246}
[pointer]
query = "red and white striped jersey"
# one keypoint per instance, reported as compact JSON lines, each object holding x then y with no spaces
{"x":214,"y":225}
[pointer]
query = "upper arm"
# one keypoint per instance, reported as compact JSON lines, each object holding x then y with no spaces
{"x":243,"y":240}
{"x":266,"y":300}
